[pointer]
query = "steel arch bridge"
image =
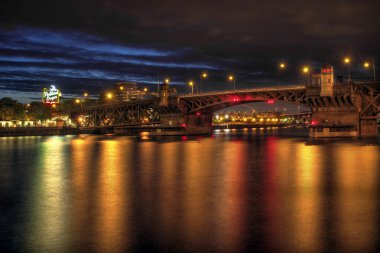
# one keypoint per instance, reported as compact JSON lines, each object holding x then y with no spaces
{"x":353,"y":104}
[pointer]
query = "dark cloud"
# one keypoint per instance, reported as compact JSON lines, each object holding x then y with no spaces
{"x":90,"y":44}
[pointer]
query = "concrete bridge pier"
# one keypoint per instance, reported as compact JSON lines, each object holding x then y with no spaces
{"x":368,"y":128}
{"x":198,"y":123}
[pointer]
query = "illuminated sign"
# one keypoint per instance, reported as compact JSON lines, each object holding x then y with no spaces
{"x":51,"y":95}
{"x":327,"y":71}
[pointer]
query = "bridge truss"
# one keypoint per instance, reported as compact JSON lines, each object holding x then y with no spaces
{"x":138,"y":113}
{"x":213,"y":101}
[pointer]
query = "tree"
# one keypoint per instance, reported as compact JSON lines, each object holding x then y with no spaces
{"x":39,"y":111}
{"x":10,"y":109}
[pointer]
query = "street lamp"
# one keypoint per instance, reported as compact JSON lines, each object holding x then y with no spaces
{"x":367,"y":65}
{"x":85,"y":94}
{"x":78,"y":101}
{"x":191,"y":83}
{"x":109,"y":95}
{"x":281,"y":67}
{"x":232,"y":78}
{"x":347,"y":61}
{"x":167,"y":80}
{"x":306,"y":71}
{"x":204,"y":76}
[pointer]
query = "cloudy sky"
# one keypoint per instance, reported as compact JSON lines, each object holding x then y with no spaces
{"x":90,"y":45}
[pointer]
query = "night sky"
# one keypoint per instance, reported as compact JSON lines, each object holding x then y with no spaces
{"x":90,"y":45}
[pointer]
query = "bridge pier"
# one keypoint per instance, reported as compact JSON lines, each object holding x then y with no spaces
{"x":198,"y":124}
{"x":368,"y":128}
{"x":333,"y":123}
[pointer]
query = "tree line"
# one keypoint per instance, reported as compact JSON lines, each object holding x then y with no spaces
{"x":11,"y":109}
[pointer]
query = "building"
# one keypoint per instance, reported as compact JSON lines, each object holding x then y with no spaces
{"x":129,"y":91}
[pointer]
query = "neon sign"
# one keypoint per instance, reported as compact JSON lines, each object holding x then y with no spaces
{"x":51,"y":95}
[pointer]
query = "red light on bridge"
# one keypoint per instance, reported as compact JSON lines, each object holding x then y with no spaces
{"x":270,"y":101}
{"x":183,"y":125}
{"x":235,"y":99}
{"x":198,"y":114}
{"x":314,"y":122}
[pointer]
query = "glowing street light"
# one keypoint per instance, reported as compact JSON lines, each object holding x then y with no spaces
{"x":281,"y":67}
{"x":121,"y":87}
{"x":145,"y":89}
{"x":347,"y":60}
{"x":191,"y":83}
{"x":367,"y":65}
{"x":204,"y":76}
{"x":167,"y":80}
{"x":306,"y":70}
{"x":79,"y":101}
{"x":109,"y":95}
{"x":85,"y":94}
{"x":232,"y":78}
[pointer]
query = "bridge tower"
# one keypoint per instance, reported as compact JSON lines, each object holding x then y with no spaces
{"x":341,"y":109}
{"x":327,"y":80}
{"x":164,"y":94}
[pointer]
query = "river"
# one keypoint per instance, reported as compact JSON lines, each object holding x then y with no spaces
{"x":262,"y":190}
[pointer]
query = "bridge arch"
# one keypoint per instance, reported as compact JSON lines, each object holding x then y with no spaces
{"x":211,"y":102}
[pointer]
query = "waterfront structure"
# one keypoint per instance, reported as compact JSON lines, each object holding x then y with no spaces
{"x":338,"y":108}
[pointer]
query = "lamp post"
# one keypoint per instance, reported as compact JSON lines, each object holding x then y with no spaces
{"x":109,"y":96}
{"x":281,"y":67}
{"x":232,"y":78}
{"x":204,"y":76}
{"x":78,"y":101}
{"x":347,"y":61}
{"x":191,"y":83}
{"x":367,"y":65}
{"x":306,"y":71}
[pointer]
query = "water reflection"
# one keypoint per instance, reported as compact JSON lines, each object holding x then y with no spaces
{"x":48,"y":219}
{"x":230,"y":193}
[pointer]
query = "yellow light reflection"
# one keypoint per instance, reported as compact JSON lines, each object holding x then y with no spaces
{"x":231,"y":207}
{"x":111,"y":220}
{"x":81,"y":199}
{"x":357,"y":188}
{"x":48,"y":211}
{"x":307,"y":209}
{"x":169,"y":200}
{"x":196,"y":215}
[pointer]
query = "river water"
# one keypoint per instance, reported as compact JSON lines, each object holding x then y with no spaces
{"x":271,"y":190}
